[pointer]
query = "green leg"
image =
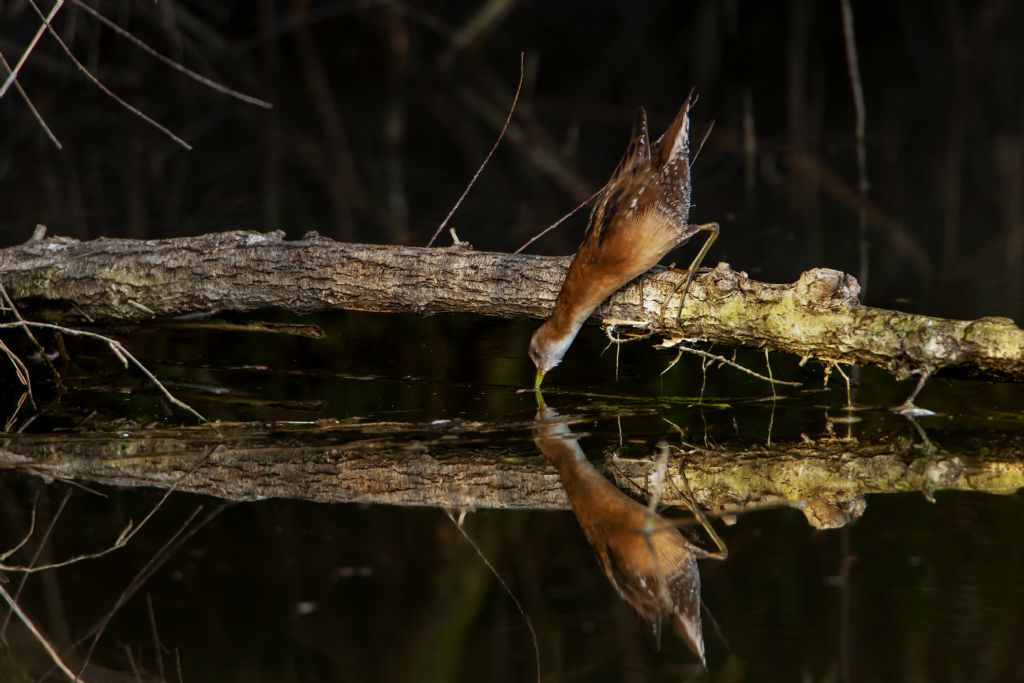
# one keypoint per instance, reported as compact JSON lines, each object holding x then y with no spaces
{"x":712,"y":230}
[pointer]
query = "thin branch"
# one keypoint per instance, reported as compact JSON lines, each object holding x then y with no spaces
{"x":31,"y":107}
{"x":165,"y":552}
{"x":560,"y":220}
{"x":57,"y":661}
{"x":122,"y":540}
{"x":501,"y":580}
{"x":170,"y":62}
{"x":31,"y":530}
{"x":846,"y":378}
{"x":96,"y":81}
{"x":14,"y":415}
{"x":731,"y":363}
{"x":771,"y":375}
{"x":703,"y":140}
{"x":859,"y":135}
{"x":21,"y":370}
{"x":13,"y":75}
{"x":157,"y":645}
{"x":35,"y":556}
{"x":9,"y":303}
{"x":458,"y":203}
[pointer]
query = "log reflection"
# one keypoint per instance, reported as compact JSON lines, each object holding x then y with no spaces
{"x":652,"y":566}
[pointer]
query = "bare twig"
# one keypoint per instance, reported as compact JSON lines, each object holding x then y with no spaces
{"x":122,"y":540}
{"x":166,"y":551}
{"x":501,"y":580}
{"x":846,"y":378}
{"x":859,"y":133}
{"x":14,"y":415}
{"x":96,"y":81}
{"x":131,"y":662}
{"x":559,"y":221}
{"x":9,"y":304}
{"x":20,"y":370}
{"x":170,"y":62}
{"x":31,"y":107}
{"x":31,"y":530}
{"x":157,"y":645}
{"x":725,"y":361}
{"x":57,"y":661}
{"x":13,"y":75}
{"x":458,"y":203}
{"x":36,"y":555}
{"x":120,"y":352}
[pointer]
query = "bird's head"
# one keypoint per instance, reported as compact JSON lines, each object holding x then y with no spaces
{"x":547,"y":348}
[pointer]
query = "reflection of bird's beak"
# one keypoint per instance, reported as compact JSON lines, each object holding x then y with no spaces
{"x":538,"y":380}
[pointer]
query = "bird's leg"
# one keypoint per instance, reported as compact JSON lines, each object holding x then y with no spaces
{"x":712,"y":230}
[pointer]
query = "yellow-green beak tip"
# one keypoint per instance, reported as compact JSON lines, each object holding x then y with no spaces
{"x":537,"y":381}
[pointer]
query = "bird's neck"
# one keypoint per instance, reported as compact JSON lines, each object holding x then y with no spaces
{"x":577,"y":299}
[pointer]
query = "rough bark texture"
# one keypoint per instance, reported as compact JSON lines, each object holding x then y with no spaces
{"x":817,"y":316}
{"x":827,"y":479}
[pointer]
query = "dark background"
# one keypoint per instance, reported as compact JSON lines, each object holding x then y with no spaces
{"x":383,"y":110}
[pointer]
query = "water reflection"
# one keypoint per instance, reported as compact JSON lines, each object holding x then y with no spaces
{"x":651,"y":564}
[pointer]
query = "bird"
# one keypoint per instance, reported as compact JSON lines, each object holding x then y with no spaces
{"x":651,"y":565}
{"x":640,"y":215}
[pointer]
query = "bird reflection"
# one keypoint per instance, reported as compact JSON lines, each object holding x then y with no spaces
{"x":652,"y":566}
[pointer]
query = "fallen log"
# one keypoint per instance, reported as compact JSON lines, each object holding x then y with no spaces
{"x":818,"y":316}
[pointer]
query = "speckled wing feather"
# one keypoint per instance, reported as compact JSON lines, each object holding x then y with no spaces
{"x":650,"y":188}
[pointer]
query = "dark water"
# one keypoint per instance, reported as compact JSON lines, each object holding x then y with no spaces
{"x":377,"y":125}
{"x":292,"y":590}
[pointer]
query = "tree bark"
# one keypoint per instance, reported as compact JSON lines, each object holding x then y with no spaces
{"x":817,"y":316}
{"x":827,"y":479}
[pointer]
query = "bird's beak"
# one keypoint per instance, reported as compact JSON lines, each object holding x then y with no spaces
{"x":538,"y":380}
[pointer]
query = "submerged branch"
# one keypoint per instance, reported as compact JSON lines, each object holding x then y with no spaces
{"x":818,"y":316}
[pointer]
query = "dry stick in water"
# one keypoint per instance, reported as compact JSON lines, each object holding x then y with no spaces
{"x":458,"y":203}
{"x":57,"y":661}
{"x":40,"y":547}
{"x":9,"y":303}
{"x":13,"y":600}
{"x":501,"y":580}
{"x":96,"y":81}
{"x":28,"y":535}
{"x":20,"y":370}
{"x":125,"y":536}
{"x":165,"y":552}
{"x":682,"y":348}
{"x":122,"y":354}
{"x":158,"y":646}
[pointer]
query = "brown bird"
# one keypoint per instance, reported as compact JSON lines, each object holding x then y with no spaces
{"x":651,"y":565}
{"x":640,"y":216}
